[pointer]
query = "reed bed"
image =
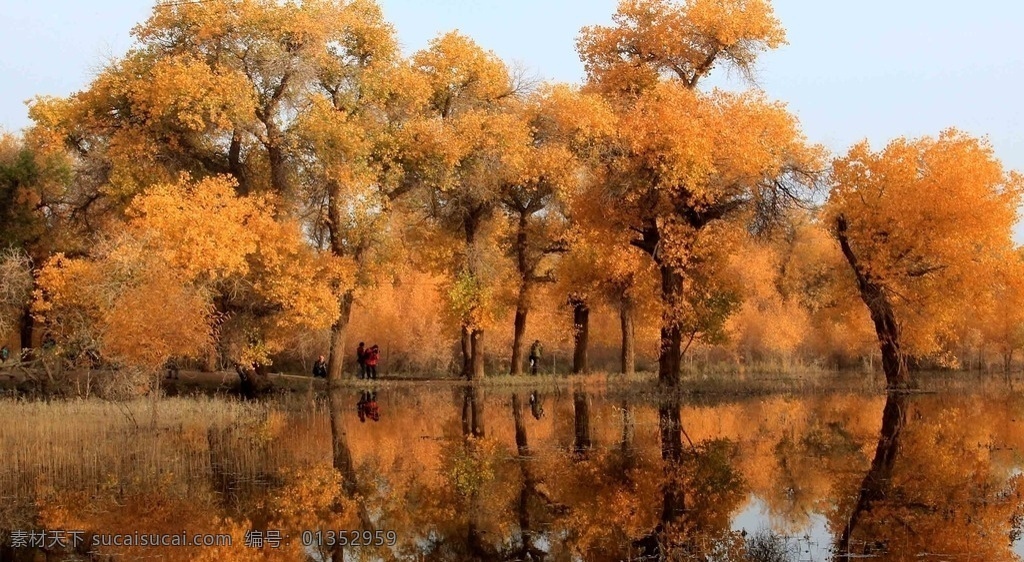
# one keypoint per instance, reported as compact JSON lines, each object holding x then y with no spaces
{"x":94,"y":445}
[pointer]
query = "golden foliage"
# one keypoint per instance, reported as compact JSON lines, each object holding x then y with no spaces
{"x":148,"y":294}
{"x":653,"y":38}
{"x":929,"y":221}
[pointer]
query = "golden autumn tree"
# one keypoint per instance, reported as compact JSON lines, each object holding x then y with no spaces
{"x":469,"y":145}
{"x":921,"y":223}
{"x":301,"y":99}
{"x":687,"y":162}
{"x":351,"y":152}
{"x":565,"y":125}
{"x":39,"y":215}
{"x":260,"y":56}
{"x":1000,"y":310}
{"x":148,"y":292}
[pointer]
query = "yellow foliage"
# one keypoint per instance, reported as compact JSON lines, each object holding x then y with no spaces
{"x":928,"y":220}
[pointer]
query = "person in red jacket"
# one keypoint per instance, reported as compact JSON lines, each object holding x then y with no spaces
{"x":372,"y":357}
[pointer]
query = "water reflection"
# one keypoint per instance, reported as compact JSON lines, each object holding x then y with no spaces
{"x":462,"y":473}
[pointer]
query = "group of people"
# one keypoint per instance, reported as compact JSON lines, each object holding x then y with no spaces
{"x":366,"y":361}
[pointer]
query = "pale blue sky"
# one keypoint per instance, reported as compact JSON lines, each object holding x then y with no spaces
{"x":853,"y":69}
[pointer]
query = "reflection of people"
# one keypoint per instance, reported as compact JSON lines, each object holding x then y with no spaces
{"x":372,"y":357}
{"x":535,"y":351}
{"x":367,"y":406}
{"x":536,"y":408}
{"x":361,"y":360}
{"x":320,"y":368}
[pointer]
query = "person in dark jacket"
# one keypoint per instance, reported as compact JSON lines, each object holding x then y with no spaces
{"x":320,"y":368}
{"x":361,"y":360}
{"x":535,"y":353}
{"x":372,"y":357}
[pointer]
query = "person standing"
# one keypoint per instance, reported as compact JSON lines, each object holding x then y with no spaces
{"x":535,"y":353}
{"x":4,"y":354}
{"x":320,"y":368}
{"x":361,"y":360}
{"x":372,"y":357}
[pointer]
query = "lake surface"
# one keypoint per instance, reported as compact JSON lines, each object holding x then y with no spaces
{"x":561,"y":474}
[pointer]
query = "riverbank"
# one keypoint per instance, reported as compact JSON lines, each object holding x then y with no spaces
{"x":16,"y":381}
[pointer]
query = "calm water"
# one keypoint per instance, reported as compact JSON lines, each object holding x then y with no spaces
{"x":451,"y":473}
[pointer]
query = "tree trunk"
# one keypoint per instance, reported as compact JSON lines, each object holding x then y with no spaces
{"x":581,"y":335}
{"x":522,"y":445}
{"x":472,"y":337}
{"x":887,"y":328}
{"x":467,"y":353}
{"x":877,"y":482}
{"x":336,"y":361}
{"x":517,"y":338}
{"x":472,"y":411}
{"x":477,"y":340}
{"x":27,"y":328}
{"x":522,"y":308}
{"x":211,"y":363}
{"x":673,"y":495}
{"x":253,"y":381}
{"x":581,"y":419}
{"x":671,"y":333}
{"x":277,"y":158}
{"x":235,"y":162}
{"x":343,"y":461}
{"x":628,"y":355}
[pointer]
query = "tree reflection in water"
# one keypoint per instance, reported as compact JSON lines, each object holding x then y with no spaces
{"x":599,"y":477}
{"x":935,"y":488}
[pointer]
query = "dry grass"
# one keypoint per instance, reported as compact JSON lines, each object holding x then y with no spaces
{"x":64,"y":444}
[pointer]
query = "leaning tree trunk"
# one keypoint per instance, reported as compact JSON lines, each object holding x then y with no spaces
{"x":671,"y":333}
{"x":628,"y":355}
{"x":877,"y":482}
{"x":581,"y":334}
{"x":336,"y":361}
{"x":887,"y":328}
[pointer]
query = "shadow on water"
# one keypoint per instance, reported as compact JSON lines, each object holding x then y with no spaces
{"x":572,"y":474}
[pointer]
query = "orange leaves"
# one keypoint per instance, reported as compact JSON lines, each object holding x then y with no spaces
{"x":202,"y":231}
{"x":705,"y":148}
{"x":462,"y":75}
{"x":187,"y":93}
{"x":654,"y":38}
{"x":928,"y":219}
{"x":153,"y":321}
{"x":147,"y":294}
